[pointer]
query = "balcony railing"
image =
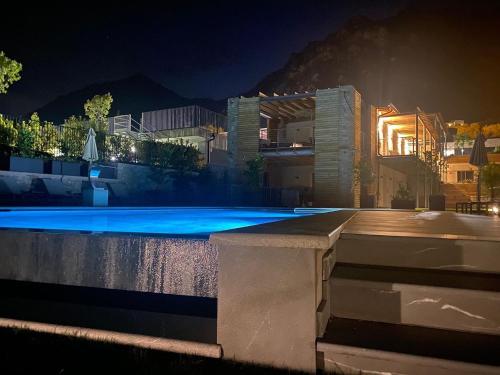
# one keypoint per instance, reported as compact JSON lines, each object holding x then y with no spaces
{"x":287,"y":138}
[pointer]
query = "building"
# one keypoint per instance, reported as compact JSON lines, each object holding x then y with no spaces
{"x":194,"y":125}
{"x":310,"y":143}
{"x":460,"y":179}
{"x":410,"y":152}
{"x":314,"y":144}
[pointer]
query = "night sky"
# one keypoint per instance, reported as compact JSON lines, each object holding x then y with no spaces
{"x":200,"y":49}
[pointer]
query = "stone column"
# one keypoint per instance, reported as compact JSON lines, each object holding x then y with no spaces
{"x":273,"y":290}
{"x":337,"y":147}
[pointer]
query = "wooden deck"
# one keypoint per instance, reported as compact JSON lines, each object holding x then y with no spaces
{"x":444,"y":225}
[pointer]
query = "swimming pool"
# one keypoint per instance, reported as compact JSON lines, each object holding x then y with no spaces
{"x":173,"y":221}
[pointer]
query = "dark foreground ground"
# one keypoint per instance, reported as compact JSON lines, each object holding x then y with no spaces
{"x":177,"y":317}
{"x":24,"y":352}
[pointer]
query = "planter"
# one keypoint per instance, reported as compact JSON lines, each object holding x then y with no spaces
{"x":67,"y":168}
{"x":31,"y":165}
{"x":107,"y":171}
{"x":403,"y":204}
{"x":367,"y":201}
{"x":437,"y":202}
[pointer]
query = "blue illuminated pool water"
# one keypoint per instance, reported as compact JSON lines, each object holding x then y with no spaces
{"x":179,"y":221}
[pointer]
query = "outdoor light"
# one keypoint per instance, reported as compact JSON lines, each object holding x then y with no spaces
{"x":132,"y":149}
{"x":113,"y":158}
{"x":494,"y":209}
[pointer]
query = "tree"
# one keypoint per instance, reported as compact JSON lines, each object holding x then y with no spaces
{"x":469,"y":132}
{"x":363,"y":173}
{"x":8,"y":132}
{"x":9,"y":72}
{"x":254,"y":172}
{"x":73,"y":137}
{"x":97,"y":110}
{"x":490,"y":176}
{"x":462,"y":139}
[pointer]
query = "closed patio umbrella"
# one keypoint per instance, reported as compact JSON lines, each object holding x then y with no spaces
{"x":90,"y":150}
{"x":479,"y":158}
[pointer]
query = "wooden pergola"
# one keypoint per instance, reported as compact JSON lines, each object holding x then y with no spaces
{"x":287,"y":106}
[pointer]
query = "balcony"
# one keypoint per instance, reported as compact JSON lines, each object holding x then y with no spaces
{"x":293,"y":139}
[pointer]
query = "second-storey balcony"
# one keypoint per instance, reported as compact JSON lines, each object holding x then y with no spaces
{"x":294,"y":138}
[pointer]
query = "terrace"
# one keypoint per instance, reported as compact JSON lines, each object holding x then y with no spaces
{"x":289,"y":125}
{"x":409,"y":134}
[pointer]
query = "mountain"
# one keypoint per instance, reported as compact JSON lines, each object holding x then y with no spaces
{"x":441,"y":59}
{"x":134,"y":95}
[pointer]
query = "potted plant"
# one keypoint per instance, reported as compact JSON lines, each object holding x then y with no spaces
{"x":8,"y":137}
{"x":71,"y":143}
{"x":254,"y":174}
{"x":403,"y":199}
{"x":27,"y":141}
{"x":490,"y":177}
{"x":364,"y":177}
{"x":437,"y":200}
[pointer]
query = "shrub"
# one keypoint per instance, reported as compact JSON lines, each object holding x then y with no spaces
{"x":146,"y":152}
{"x":8,"y":132}
{"x":403,"y":193}
{"x":490,"y":176}
{"x":50,"y":139}
{"x":119,"y":147}
{"x":25,"y":140}
{"x":72,"y":138}
{"x":254,"y":172}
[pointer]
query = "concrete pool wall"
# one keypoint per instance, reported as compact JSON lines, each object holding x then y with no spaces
{"x":179,"y":266}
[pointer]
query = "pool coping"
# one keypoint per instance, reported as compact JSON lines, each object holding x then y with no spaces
{"x":319,"y":231}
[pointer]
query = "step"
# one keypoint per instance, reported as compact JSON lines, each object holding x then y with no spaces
{"x":423,"y":248}
{"x":452,"y":300}
{"x":360,"y":347}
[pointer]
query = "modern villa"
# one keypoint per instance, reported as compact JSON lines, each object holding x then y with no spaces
{"x":313,"y":143}
{"x":194,"y":125}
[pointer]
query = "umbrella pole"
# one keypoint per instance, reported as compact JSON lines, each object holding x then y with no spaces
{"x":479,"y":190}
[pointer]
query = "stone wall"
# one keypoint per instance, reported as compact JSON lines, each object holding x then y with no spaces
{"x":337,"y":147}
{"x":243,"y":129}
{"x":142,"y":263}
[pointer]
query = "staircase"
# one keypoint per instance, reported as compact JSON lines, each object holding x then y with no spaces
{"x":127,"y":126}
{"x":413,"y":306}
{"x":458,"y":193}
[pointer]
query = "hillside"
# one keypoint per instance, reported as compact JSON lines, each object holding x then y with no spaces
{"x":134,"y":95}
{"x":441,"y":60}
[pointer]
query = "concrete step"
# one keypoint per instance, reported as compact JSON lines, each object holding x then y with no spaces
{"x":422,"y":248}
{"x":360,"y":347}
{"x":452,"y":300}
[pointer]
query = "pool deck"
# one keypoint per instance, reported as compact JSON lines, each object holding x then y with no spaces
{"x":433,"y":224}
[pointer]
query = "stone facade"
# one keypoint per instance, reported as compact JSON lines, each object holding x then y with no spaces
{"x":337,"y":147}
{"x":243,"y":128}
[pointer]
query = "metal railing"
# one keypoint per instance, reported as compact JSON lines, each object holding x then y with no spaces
{"x":289,"y":137}
{"x":480,"y":208}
